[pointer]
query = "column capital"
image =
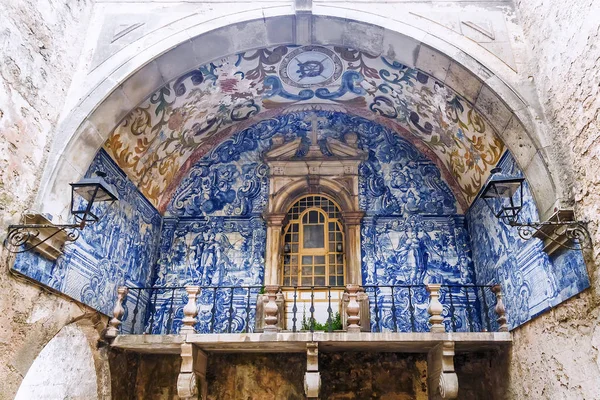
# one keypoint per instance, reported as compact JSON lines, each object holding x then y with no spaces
{"x":353,"y":217}
{"x":274,"y":219}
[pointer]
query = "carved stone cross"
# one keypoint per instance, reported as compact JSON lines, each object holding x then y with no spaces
{"x":314,"y":149}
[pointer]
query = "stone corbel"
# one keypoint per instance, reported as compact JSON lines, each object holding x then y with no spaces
{"x":192,"y":373}
{"x":442,"y":380}
{"x":312,"y":377}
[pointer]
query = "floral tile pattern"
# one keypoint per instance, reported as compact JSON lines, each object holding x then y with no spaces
{"x":162,"y":138}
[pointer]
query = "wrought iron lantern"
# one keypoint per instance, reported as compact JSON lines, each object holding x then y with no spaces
{"x":86,"y":193}
{"x":39,"y":233}
{"x":504,"y":197}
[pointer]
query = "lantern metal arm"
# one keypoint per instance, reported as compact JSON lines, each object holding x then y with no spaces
{"x":22,"y":238}
{"x":504,"y":195}
{"x":574,"y":231}
{"x":49,"y":238}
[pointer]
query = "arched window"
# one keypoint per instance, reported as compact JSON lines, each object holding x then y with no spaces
{"x":313,"y":252}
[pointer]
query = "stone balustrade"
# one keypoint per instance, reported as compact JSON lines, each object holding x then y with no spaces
{"x":353,"y":309}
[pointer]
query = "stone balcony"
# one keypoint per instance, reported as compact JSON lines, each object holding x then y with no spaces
{"x":438,"y":320}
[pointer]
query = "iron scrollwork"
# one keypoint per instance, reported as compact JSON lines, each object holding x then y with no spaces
{"x":573,"y":231}
{"x":23,"y":238}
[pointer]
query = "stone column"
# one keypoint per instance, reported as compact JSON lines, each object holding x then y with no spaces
{"x":352,"y":220}
{"x":118,"y":311}
{"x":270,"y":309}
{"x":353,"y":309}
{"x":500,"y":309}
{"x":442,"y":381}
{"x":190,"y":310}
{"x":435,"y":309}
{"x":273,"y":247}
{"x":312,"y":377}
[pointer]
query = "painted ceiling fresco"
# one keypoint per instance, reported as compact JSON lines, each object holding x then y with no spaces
{"x":161,"y":139}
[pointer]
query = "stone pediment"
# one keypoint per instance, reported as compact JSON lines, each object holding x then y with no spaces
{"x":334,"y":150}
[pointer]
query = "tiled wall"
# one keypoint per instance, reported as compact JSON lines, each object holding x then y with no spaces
{"x":118,"y":250}
{"x":213,"y":235}
{"x":532,"y":282}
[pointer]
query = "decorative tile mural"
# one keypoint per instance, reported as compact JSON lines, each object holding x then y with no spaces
{"x":532,"y":282}
{"x":213,"y":234}
{"x":411,"y":235}
{"x":118,"y":250}
{"x":159,"y":141}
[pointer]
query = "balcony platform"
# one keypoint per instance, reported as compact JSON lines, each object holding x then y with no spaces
{"x":289,"y":342}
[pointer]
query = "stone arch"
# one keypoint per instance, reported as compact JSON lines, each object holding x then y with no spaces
{"x":71,"y":365}
{"x":284,"y":198}
{"x":123,"y":82}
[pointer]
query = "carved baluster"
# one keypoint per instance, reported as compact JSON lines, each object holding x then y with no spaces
{"x":353,"y":308}
{"x":435,"y":309}
{"x":500,"y":309}
{"x":118,"y":311}
{"x":190,"y":310}
{"x":270,"y":309}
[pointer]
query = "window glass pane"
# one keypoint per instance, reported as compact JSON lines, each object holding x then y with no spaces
{"x":306,"y":260}
{"x":320,"y":281}
{"x":294,"y":280}
{"x":314,"y":236}
{"x":320,"y":260}
{"x":332,"y":280}
{"x":306,"y":281}
{"x":340,"y":270}
{"x":320,"y":270}
{"x":340,"y":281}
{"x":307,"y":271}
{"x":294,"y":248}
{"x":313,"y":217}
{"x":332,"y":259}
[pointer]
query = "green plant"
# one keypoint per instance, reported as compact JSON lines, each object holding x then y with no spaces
{"x":336,"y":323}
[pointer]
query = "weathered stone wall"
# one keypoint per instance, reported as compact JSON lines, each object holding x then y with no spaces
{"x":482,"y":375}
{"x":40,"y":45}
{"x":556,"y":355}
{"x":373,"y":376}
{"x":64,"y":369}
{"x":256,"y":376}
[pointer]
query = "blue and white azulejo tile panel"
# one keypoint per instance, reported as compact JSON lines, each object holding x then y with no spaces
{"x":532,"y":281}
{"x":117,"y":250}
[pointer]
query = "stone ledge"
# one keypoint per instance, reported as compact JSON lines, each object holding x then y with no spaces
{"x":289,"y":342}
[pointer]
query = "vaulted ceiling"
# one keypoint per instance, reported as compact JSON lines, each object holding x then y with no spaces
{"x":182,"y":121}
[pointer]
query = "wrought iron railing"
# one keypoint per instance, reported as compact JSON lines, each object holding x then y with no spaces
{"x":370,"y":308}
{"x":159,"y":310}
{"x":404,"y":308}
